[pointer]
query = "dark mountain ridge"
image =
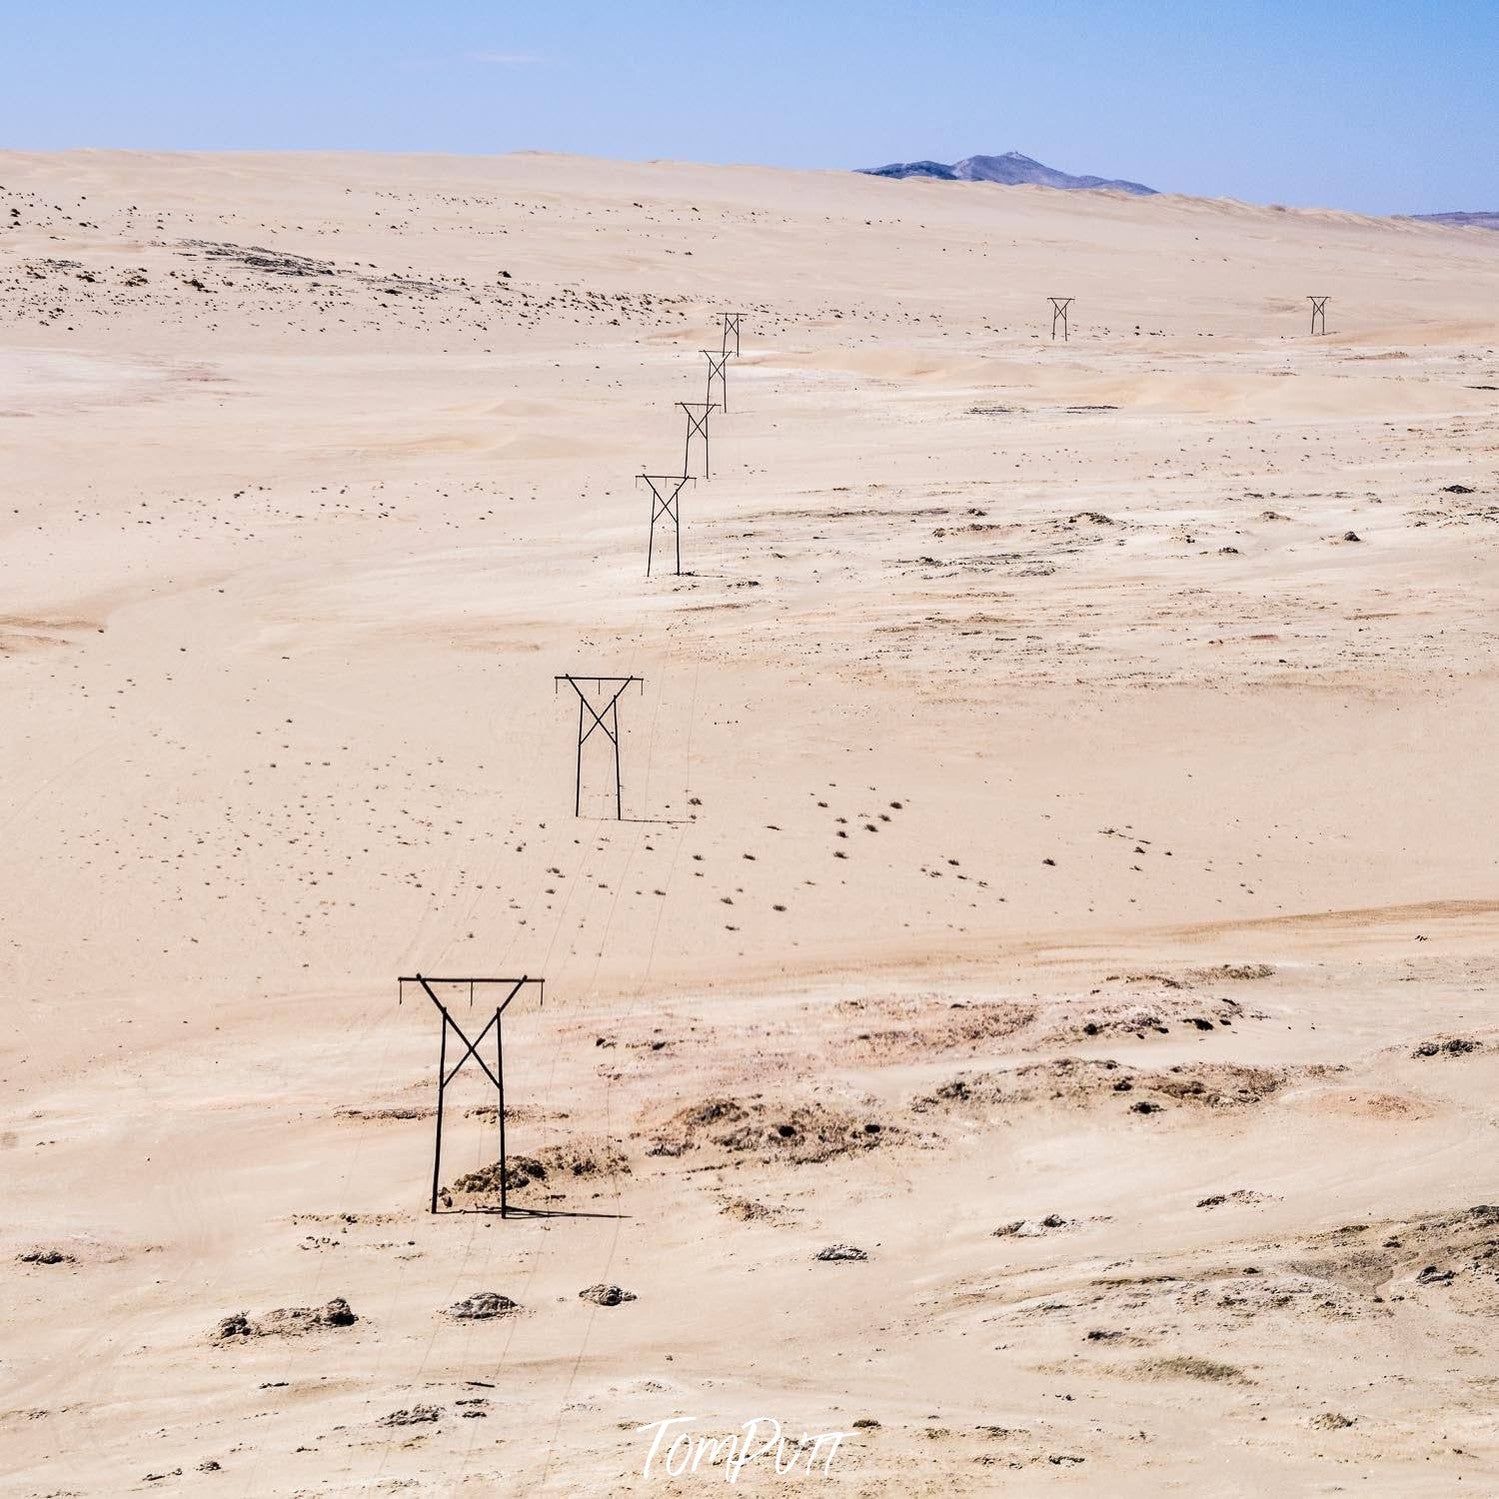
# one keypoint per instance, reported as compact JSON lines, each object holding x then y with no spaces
{"x":1014,"y":169}
{"x":1011,"y":170}
{"x":1461,"y":220}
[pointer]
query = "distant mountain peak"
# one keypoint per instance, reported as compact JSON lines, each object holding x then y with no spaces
{"x":1012,"y":169}
{"x":1461,"y":220}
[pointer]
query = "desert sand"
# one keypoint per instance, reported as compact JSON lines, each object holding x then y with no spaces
{"x":1058,"y":862}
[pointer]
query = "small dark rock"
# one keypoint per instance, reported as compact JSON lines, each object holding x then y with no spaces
{"x":481,"y":1306}
{"x":237,"y":1326}
{"x":605,"y":1295}
{"x":337,"y":1313}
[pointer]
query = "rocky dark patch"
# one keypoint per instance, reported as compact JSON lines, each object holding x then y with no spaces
{"x":1454,"y":1046}
{"x":1083,"y":1081}
{"x":797,"y":1133}
{"x":417,"y":1415}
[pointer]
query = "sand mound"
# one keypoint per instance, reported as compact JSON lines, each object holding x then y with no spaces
{"x":292,"y":1321}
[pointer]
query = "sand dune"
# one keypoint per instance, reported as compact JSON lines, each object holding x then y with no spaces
{"x":1058,"y":859}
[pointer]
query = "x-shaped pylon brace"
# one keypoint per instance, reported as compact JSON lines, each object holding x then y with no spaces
{"x":731,"y":329}
{"x":472,"y":1050}
{"x":1059,"y":306}
{"x":1319,"y":311}
{"x":611,"y":729}
{"x":472,"y":1047}
{"x":598,"y":721}
{"x":665,"y":489}
{"x":698,"y":413}
{"x":718,"y":370}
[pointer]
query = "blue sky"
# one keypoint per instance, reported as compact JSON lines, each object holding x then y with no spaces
{"x":1364,"y":104}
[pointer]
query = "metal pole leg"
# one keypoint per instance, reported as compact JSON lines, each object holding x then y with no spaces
{"x":442,"y":1067}
{"x":578,"y":784}
{"x":618,"y":793}
{"x":499,"y":1052}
